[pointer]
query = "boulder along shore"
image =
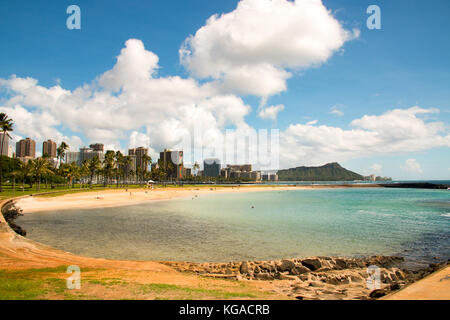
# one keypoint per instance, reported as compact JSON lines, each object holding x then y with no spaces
{"x":317,"y":277}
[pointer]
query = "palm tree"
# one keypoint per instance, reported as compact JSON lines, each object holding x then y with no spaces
{"x":84,"y":171}
{"x":118,"y":158}
{"x":126,"y":163}
{"x":46,"y":156}
{"x":146,"y":160}
{"x":40,"y":167}
{"x":14,"y":174}
{"x":108,"y":165}
{"x":25,"y":169}
{"x":6,"y":125}
{"x":196,"y":166}
{"x":94,"y":166}
{"x":61,"y":151}
{"x":132,"y":174}
{"x":71,"y":172}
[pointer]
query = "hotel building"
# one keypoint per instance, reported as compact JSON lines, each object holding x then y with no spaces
{"x":175,"y":158}
{"x":211,"y":168}
{"x":49,"y":147}
{"x":5,"y":151}
{"x":26,"y":148}
{"x":138,"y":154}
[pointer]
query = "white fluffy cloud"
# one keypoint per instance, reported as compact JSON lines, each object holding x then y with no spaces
{"x":398,"y":130}
{"x":376,"y":168}
{"x":335,"y":110}
{"x":412,"y":166}
{"x":271,"y":112}
{"x":251,"y":49}
{"x":161,"y":112}
{"x":127,"y":102}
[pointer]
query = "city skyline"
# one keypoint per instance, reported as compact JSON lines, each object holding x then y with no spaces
{"x":373,"y":100}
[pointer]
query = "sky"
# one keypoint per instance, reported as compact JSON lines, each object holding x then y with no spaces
{"x":151,"y":73}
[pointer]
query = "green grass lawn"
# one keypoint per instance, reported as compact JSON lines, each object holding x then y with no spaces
{"x":50,"y":284}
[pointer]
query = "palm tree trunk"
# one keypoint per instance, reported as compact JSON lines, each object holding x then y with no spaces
{"x":1,"y":162}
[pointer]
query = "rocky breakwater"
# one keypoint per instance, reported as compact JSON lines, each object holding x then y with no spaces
{"x":316,"y":277}
{"x":11,"y":212}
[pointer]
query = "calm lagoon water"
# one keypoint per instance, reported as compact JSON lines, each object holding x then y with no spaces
{"x":283,"y":224}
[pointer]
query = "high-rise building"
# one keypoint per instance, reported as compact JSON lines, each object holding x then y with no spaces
{"x":26,"y":148}
{"x":87,"y":154}
{"x":241,"y":167}
{"x":173,"y":161}
{"x":211,"y":168}
{"x":131,"y":165}
{"x":187,"y":172}
{"x":72,"y":157}
{"x":139,"y":153}
{"x":97,"y":147}
{"x":269,"y":177}
{"x":11,"y":152}
{"x":49,"y":147}
{"x":5,"y":150}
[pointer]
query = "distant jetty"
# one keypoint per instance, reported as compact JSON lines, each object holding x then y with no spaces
{"x":416,"y":185}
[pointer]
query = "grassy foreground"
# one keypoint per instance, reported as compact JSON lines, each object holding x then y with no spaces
{"x":50,"y":283}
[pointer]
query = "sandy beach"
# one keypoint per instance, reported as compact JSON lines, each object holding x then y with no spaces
{"x":124,"y":197}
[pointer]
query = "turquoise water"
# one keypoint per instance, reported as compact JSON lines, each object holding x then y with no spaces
{"x":283,"y":224}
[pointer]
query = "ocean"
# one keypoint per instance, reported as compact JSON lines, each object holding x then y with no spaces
{"x":268,"y":225}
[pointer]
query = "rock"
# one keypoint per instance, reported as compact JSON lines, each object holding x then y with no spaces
{"x":303,"y":277}
{"x":394,"y":277}
{"x":395,"y":286}
{"x":375,"y":294}
{"x":312,"y":264}
{"x":286,"y":277}
{"x":269,"y":267}
{"x":399,"y":275}
{"x":294,"y":272}
{"x":286,"y":265}
{"x":341,"y":264}
{"x":302,"y":270}
{"x":356,"y":278}
{"x":316,"y":284}
{"x":385,"y":278}
{"x":333,"y":281}
{"x":263,"y":276}
{"x":243,"y":269}
{"x":344,"y":280}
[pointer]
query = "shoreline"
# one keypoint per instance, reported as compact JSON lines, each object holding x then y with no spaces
{"x":337,"y":278}
{"x":120,"y":197}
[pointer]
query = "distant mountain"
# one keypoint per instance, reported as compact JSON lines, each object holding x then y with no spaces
{"x":329,"y":172}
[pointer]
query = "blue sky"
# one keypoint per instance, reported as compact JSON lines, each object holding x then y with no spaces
{"x":404,"y":64}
